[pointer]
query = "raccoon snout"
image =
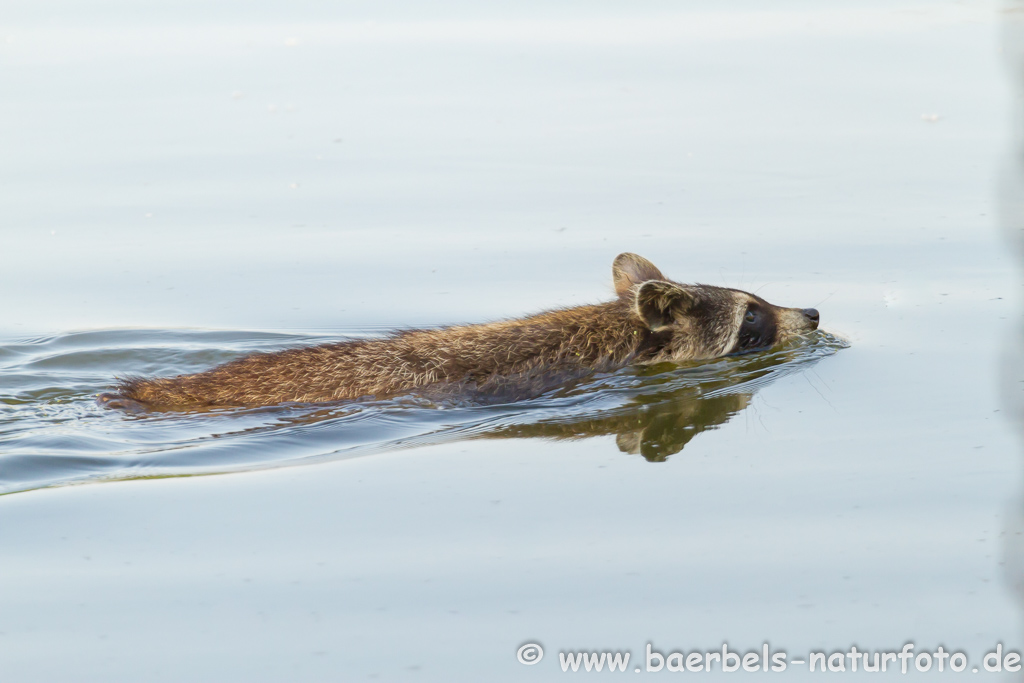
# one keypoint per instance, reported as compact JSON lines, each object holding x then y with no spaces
{"x":812,"y":315}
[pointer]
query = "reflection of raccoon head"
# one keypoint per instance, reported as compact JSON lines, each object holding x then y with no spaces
{"x":701,"y":321}
{"x":666,"y":429}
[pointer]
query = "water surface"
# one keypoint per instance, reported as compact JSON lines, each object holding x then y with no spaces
{"x":54,"y":432}
{"x":188,"y":182}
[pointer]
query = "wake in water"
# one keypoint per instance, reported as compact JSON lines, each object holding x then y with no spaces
{"x":52,"y":432}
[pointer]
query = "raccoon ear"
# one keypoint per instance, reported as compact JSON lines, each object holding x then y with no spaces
{"x":658,"y":303}
{"x":629,"y":270}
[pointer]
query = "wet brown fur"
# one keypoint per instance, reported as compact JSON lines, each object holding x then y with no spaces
{"x":652,"y":320}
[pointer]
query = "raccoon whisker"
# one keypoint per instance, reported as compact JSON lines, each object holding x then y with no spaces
{"x":818,"y":392}
{"x":824,"y":300}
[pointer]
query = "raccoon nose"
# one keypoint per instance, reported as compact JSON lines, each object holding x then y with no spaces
{"x":811,"y":314}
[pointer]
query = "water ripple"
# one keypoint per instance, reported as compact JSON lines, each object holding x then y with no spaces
{"x":53,"y":433}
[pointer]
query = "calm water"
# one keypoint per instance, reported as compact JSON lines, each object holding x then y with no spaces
{"x":184,"y":183}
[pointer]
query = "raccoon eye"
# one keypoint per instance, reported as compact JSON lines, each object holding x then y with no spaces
{"x":750,"y":317}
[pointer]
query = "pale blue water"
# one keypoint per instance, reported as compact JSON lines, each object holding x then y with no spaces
{"x":183,"y":183}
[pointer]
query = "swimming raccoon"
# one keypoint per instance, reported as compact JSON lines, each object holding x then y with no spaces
{"x":652,"y":320}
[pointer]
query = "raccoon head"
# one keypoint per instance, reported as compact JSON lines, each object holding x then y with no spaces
{"x":696,"y":322}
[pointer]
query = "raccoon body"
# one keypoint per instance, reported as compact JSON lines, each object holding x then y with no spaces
{"x":652,"y":320}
